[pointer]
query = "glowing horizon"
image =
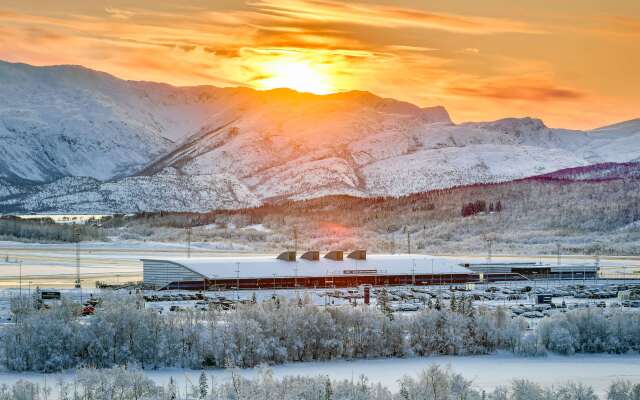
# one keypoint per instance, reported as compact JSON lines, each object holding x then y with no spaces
{"x":574,"y":66}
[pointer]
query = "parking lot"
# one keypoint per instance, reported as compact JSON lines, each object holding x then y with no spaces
{"x":526,"y":299}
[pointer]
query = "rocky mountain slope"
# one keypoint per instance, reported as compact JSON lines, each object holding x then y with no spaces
{"x":74,"y":139}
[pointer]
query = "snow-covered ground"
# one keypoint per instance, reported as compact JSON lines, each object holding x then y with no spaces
{"x":486,"y":372}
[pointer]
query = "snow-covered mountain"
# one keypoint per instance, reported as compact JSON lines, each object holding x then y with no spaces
{"x":73,"y":139}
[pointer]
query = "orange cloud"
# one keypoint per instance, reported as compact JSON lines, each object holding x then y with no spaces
{"x":389,"y":17}
{"x":517,"y":89}
{"x":402,"y":51}
{"x":119,"y":13}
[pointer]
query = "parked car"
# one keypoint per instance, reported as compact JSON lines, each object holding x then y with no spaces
{"x":88,"y":310}
{"x":533,"y":314}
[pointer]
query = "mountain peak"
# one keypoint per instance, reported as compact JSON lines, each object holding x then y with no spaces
{"x":436,"y":114}
{"x":530,"y":123}
{"x":518,"y":126}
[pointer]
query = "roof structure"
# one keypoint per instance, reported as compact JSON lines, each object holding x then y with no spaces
{"x":270,"y":266}
{"x":529,"y":266}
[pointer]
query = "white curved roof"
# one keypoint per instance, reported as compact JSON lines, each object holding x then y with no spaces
{"x":270,"y":266}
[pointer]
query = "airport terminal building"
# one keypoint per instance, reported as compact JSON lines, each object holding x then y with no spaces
{"x":337,"y":269}
{"x":311,"y":270}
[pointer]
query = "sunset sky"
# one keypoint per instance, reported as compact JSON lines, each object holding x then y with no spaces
{"x":573,"y":63}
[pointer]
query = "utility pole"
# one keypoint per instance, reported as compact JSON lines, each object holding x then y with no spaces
{"x":598,"y":263}
{"x":295,"y":239}
{"x":295,"y":280}
{"x":189,"y":240}
{"x":76,"y":239}
{"x":489,"y":245}
{"x":413,"y":273}
{"x":424,"y":238}
{"x":408,"y":241}
{"x":393,"y":242}
{"x":274,"y":285}
{"x":237,"y":282}
{"x":558,"y":252}
{"x":20,"y":284}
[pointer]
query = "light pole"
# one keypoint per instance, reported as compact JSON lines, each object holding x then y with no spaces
{"x":413,"y":273}
{"x":237,"y":282}
{"x":295,"y":280}
{"x":274,"y":285}
{"x":20,"y":279}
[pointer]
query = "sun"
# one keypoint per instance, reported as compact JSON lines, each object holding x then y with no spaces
{"x":302,"y":76}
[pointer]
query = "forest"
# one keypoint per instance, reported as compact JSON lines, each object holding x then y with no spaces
{"x":529,"y":216}
{"x":46,"y":230}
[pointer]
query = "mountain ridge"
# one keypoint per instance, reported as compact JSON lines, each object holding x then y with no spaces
{"x":238,"y":147}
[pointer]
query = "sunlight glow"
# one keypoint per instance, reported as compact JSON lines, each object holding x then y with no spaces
{"x":302,"y":76}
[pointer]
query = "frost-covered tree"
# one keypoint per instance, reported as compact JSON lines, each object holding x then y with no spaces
{"x":121,"y":334}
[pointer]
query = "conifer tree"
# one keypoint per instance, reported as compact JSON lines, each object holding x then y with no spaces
{"x":453,"y":304}
{"x":328,"y":390}
{"x":171,"y":390}
{"x":203,"y":386}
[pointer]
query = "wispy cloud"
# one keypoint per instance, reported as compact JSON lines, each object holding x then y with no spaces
{"x":119,"y":13}
{"x":517,"y":88}
{"x":388,"y":16}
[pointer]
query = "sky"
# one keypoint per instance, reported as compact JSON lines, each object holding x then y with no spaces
{"x":572,"y":63}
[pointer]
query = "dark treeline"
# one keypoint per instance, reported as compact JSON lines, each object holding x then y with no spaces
{"x":480,"y":206}
{"x":45,"y":229}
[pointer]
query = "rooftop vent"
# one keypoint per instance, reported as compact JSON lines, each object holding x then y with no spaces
{"x":311,"y":255}
{"x":358,"y":255}
{"x":287,"y":256}
{"x":335,"y":255}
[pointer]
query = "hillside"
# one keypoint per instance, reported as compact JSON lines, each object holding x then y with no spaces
{"x":587,"y":210}
{"x":584,"y":216}
{"x":77,"y":140}
{"x":596,"y":172}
